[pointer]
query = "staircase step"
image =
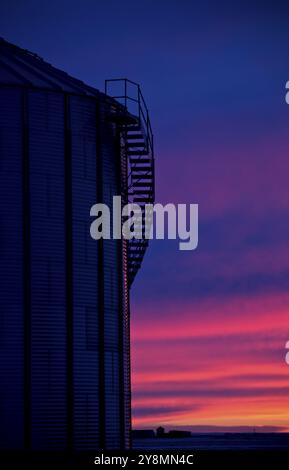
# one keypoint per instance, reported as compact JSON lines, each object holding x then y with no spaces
{"x":147,"y":200}
{"x":140,"y":160}
{"x":137,"y":136}
{"x":146,"y":184}
{"x":133,"y":128}
{"x":135,"y":267}
{"x":141,"y":173}
{"x":136,"y":261}
{"x":143,"y":177}
{"x":138,"y":244}
{"x":137,"y":152}
{"x":132,"y":273}
{"x":141,"y":191}
{"x":137,"y":183}
{"x":135,"y":144}
{"x":136,"y":255}
{"x":141,"y":168}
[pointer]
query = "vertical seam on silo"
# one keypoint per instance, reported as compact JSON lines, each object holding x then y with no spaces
{"x":100,"y":286}
{"x":26,"y":271}
{"x":119,"y":167}
{"x":69,"y":268}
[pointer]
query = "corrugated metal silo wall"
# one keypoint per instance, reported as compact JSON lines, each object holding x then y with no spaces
{"x":62,"y":306}
{"x":11,"y":271}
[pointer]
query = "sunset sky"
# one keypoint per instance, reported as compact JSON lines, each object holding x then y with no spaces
{"x":209,"y":327}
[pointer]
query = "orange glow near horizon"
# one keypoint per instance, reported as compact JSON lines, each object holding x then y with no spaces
{"x":223,"y":365}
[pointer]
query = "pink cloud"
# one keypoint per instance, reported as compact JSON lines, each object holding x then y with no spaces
{"x":222,"y":364}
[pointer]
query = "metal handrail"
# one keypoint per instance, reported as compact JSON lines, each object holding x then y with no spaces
{"x":118,"y":80}
{"x":143,"y":113}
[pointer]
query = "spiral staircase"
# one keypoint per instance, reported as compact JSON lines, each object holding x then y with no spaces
{"x":134,"y":124}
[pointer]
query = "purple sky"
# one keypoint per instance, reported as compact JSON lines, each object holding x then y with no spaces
{"x":208,"y":327}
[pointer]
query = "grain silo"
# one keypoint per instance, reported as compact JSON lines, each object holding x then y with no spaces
{"x":64,"y":298}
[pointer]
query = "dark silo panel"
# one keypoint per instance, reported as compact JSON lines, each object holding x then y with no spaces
{"x":46,"y":224}
{"x":85,"y":280}
{"x":11,"y":273}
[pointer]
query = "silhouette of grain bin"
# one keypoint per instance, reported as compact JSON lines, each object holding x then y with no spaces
{"x":64,"y":299}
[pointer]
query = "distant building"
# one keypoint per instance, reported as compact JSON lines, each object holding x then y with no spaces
{"x":160,"y":431}
{"x":64,"y":300}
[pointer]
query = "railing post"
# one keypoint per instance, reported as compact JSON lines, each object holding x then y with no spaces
{"x":125,"y":93}
{"x":138,"y":100}
{"x":147,"y":121}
